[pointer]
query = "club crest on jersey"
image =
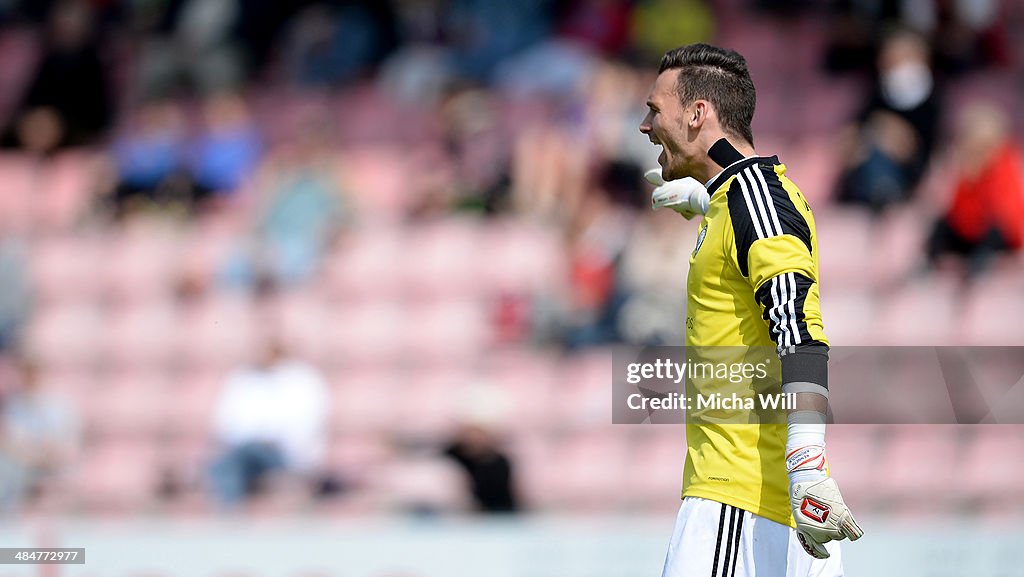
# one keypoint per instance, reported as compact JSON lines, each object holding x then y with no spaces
{"x":814,"y":510}
{"x":700,"y":238}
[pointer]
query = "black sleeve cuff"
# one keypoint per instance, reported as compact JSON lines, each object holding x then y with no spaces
{"x":806,"y":364}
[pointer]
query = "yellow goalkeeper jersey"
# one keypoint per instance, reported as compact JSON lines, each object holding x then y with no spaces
{"x":753,"y":282}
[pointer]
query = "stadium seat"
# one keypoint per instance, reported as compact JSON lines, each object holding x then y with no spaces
{"x":587,"y":470}
{"x":920,"y":463}
{"x":66,"y":268}
{"x":447,"y":260}
{"x":119,"y":476}
{"x":991,"y":471}
{"x":125,"y":404}
{"x":140,"y":335}
{"x":846,"y":248}
{"x":363,"y":265}
{"x":65,"y":335}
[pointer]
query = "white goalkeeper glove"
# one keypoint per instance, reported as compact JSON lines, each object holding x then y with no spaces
{"x":819,"y":510}
{"x":686,"y":196}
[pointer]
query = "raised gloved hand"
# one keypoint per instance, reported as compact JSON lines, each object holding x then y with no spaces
{"x":686,"y":196}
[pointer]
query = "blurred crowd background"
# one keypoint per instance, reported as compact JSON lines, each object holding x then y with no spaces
{"x":349,"y":258}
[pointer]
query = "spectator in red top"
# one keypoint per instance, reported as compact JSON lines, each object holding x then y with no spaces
{"x":986,"y":217}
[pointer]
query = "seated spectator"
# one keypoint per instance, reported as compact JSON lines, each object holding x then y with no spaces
{"x":148,"y":160}
{"x":271,"y":418}
{"x":67,"y":102}
{"x":38,"y":437}
{"x":301,"y":211}
{"x":889,"y":149}
{"x":489,"y":469}
{"x":227,"y":151}
{"x":986,"y":217}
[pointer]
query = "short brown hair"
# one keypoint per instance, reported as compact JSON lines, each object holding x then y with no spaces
{"x":719,"y":76}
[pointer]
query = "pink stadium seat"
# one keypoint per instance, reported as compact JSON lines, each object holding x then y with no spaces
{"x":531,"y":452}
{"x":920,"y":462}
{"x":654,"y":470}
{"x":21,"y":179}
{"x":65,"y":268}
{"x":64,"y":335}
{"x":418,"y":483}
{"x":363,"y":266}
{"x":128,"y":403}
{"x":924,"y":312}
{"x":220,"y":331}
{"x":994,"y":309}
{"x":140,"y":335}
{"x":447,"y":261}
{"x":367,"y":334}
{"x":360,"y":457}
{"x":302,"y":316}
{"x":365,"y":401}
{"x":848,"y":316}
{"x":585,"y":379}
{"x":67,"y":190}
{"x":119,"y":475}
{"x":852,"y":449}
{"x":531,"y":386}
{"x":991,"y":468}
{"x":371,"y":181}
{"x":189,"y":401}
{"x":444,"y":330}
{"x":846,"y":248}
{"x":139,"y":263}
{"x":587,"y":470}
{"x":522,"y":258}
{"x":812,"y":163}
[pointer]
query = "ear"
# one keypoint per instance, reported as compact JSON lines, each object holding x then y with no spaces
{"x":698,"y":113}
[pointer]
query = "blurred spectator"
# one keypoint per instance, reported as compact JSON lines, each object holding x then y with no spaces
{"x":148,"y":160}
{"x":652,"y":268}
{"x":271,"y":417}
{"x":68,"y":100}
{"x":39,"y":436}
{"x":301,"y":211}
{"x":964,"y":34}
{"x":482,"y":33}
{"x":490,"y":470}
{"x":596,"y":238}
{"x":191,"y":45}
{"x":661,"y":25}
{"x":986,"y":217}
{"x":477,"y":149}
{"x":15,"y":292}
{"x":601,"y":24}
{"x":228,"y":149}
{"x":889,"y":149}
{"x":332,"y":44}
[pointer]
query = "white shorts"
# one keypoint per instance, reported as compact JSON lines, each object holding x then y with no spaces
{"x":716,"y":540}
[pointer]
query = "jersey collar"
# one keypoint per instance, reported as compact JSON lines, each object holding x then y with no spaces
{"x":725,"y":154}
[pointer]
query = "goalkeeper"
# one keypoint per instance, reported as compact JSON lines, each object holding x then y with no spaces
{"x":757,"y":500}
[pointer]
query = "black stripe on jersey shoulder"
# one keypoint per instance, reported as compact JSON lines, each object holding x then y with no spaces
{"x":793,"y":222}
{"x":759,"y":207}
